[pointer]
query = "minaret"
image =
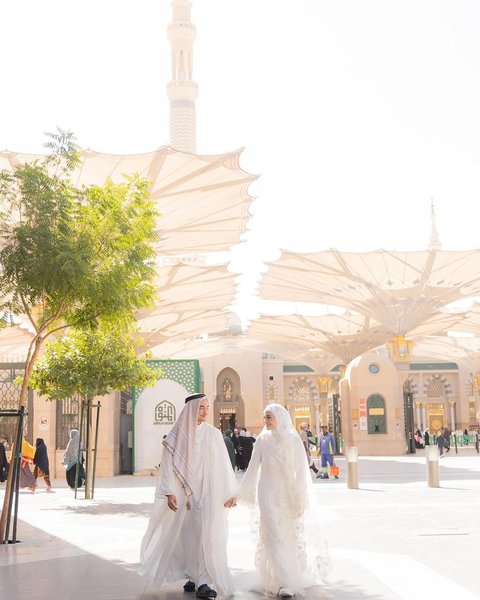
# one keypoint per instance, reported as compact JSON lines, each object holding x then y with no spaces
{"x":182,"y":91}
{"x":434,"y":239}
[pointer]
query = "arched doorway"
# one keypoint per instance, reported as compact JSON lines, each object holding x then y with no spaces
{"x":436,"y":394}
{"x":303,"y":401}
{"x":229,"y":408}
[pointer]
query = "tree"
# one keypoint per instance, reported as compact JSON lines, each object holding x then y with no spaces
{"x":71,"y":255}
{"x":92,"y":363}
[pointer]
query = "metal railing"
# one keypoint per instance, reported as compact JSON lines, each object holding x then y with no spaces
{"x":12,"y":491}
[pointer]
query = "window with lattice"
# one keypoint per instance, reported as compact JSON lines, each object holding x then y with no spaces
{"x":436,"y":389}
{"x":68,"y":418}
{"x":9,"y":398}
{"x":302,"y":393}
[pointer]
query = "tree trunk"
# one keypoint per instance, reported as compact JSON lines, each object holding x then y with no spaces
{"x":90,"y":451}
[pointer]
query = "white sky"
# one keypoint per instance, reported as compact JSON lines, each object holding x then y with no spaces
{"x":354,"y":112}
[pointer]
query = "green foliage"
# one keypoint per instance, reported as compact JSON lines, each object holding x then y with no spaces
{"x":74,"y":254}
{"x":92,"y":363}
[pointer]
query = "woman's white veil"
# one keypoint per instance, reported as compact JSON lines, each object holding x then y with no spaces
{"x":312,"y":551}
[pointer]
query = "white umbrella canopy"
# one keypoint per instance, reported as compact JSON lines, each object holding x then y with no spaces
{"x":192,"y":301}
{"x":179,"y":326}
{"x":175,"y":325}
{"x":323,"y":363}
{"x":318,"y":359}
{"x":460,"y":341}
{"x":203,"y":204}
{"x":344,"y":336}
{"x":437,"y":324}
{"x":191,"y":287}
{"x":470,"y":321}
{"x":205,"y":346}
{"x":203,"y":201}
{"x":465,"y":351}
{"x":401,"y":290}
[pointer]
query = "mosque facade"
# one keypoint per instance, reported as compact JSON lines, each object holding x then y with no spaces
{"x":365,"y":404}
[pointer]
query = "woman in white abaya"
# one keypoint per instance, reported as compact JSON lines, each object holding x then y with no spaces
{"x":286,"y":561}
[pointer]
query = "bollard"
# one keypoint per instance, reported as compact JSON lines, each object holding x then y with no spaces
{"x":433,"y":479}
{"x":352,"y":467}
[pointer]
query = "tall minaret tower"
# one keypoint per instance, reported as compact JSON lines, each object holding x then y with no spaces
{"x":182,"y":91}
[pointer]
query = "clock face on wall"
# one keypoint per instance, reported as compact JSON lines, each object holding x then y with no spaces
{"x":374,"y":368}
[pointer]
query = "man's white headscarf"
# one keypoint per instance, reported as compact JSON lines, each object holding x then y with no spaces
{"x":180,"y":442}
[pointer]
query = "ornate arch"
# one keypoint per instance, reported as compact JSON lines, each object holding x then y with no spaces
{"x":447,"y":387}
{"x":303,"y":381}
{"x":229,"y":408}
{"x":271,"y":393}
{"x":228,"y":387}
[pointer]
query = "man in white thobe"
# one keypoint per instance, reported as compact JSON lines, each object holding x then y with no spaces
{"x":187,"y":533}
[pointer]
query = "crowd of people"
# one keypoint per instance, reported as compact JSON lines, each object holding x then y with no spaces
{"x":441,"y":438}
{"x":239,"y":443}
{"x":34,"y":463}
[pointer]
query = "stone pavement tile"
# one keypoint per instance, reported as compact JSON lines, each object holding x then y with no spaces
{"x":86,"y":577}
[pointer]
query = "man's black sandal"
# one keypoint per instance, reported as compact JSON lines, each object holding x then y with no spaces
{"x":189,"y":586}
{"x":206,"y":592}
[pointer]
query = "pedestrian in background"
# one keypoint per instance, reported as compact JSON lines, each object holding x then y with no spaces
{"x":418,"y":440}
{"x":440,"y":442}
{"x":446,"y":434}
{"x":327,"y":450}
{"x":247,"y":444}
{"x":26,"y":476}
{"x":227,"y":438}
{"x":3,"y":462}
{"x":40,"y":460}
{"x":426,"y":437}
{"x":71,"y":458}
{"x":306,"y":444}
{"x":235,"y":441}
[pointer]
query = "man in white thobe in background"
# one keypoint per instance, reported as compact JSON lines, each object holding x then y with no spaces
{"x":187,"y":533}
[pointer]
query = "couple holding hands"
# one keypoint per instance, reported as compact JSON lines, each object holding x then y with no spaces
{"x":187,"y":533}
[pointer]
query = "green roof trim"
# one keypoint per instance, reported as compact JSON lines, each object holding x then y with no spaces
{"x":297,"y":369}
{"x":433,"y":367}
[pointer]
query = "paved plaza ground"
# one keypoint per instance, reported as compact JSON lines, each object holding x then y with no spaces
{"x":392,"y":538}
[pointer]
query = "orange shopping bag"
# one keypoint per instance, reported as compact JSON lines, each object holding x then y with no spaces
{"x":334,"y":470}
